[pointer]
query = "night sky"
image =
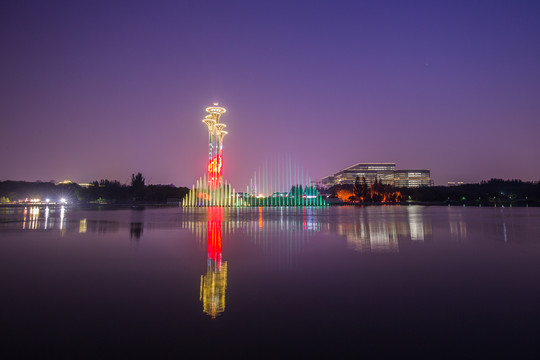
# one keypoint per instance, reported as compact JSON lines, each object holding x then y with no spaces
{"x":92,"y":90}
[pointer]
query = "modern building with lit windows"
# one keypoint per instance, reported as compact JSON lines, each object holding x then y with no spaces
{"x":386,"y":172}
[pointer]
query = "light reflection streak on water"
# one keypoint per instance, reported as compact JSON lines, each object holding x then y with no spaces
{"x":281,"y":233}
{"x":34,"y":218}
{"x":381,"y":229}
{"x":416,"y":224}
{"x":504,"y":226}
{"x":458,"y":227}
{"x":370,"y":234}
{"x":82,"y":226}
{"x":286,"y":231}
{"x":54,"y":218}
{"x":46,"y":218}
{"x":24,"y":218}
{"x":62,"y":215}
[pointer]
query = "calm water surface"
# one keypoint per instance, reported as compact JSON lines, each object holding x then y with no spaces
{"x":379,"y":281}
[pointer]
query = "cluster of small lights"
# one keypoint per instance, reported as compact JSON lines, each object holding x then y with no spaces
{"x":47,"y":201}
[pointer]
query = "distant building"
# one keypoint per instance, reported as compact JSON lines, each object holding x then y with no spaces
{"x":386,"y":172}
{"x":455,"y":183}
{"x":69,"y":182}
{"x":65,"y":182}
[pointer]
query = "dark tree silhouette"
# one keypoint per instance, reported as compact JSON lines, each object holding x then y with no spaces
{"x":137,"y":181}
{"x":364,"y":190}
{"x":357,"y":187}
{"x":137,"y":186}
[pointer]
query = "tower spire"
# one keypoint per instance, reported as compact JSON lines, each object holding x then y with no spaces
{"x":215,"y":143}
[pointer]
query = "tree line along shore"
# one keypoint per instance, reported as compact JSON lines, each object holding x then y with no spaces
{"x":102,"y":192}
{"x":112,"y":192}
{"x":491,"y":192}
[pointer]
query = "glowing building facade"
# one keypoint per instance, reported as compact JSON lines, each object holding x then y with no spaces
{"x":385,"y":172}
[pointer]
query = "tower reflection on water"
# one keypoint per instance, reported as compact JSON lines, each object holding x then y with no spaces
{"x":282,"y":234}
{"x":214,"y":282}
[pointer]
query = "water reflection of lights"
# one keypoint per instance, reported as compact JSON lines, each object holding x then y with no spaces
{"x":381,"y":229}
{"x":82,"y":226}
{"x":458,"y":227}
{"x":416,"y":223}
{"x":282,"y":232}
{"x":368,"y":235}
{"x":24,"y":218}
{"x":55,"y":218}
{"x":34,"y":217}
{"x":214,"y":282}
{"x":383,"y":237}
{"x":31,"y":215}
{"x":504,"y":226}
{"x":46,"y":217}
{"x":286,"y":231}
{"x":274,"y":233}
{"x":62,"y":216}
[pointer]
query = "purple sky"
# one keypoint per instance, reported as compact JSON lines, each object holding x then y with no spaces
{"x":92,"y":90}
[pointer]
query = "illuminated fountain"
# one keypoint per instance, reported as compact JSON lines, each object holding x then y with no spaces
{"x":203,"y":193}
{"x":279,"y":183}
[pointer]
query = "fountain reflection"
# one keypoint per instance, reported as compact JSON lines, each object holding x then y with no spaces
{"x":214,"y":283}
{"x":281,"y":233}
{"x":284,"y":232}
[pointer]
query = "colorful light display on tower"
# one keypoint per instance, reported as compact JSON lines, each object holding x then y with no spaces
{"x":283,"y":183}
{"x":215,"y":143}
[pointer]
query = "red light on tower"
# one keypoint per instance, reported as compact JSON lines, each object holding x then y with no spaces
{"x":214,"y":171}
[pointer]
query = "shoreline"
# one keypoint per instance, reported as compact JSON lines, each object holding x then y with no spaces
{"x":143,"y":206}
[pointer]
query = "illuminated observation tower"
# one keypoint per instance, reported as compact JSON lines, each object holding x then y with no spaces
{"x":213,"y":190}
{"x":215,"y":143}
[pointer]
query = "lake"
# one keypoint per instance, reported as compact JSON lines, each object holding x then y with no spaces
{"x":379,"y":281}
